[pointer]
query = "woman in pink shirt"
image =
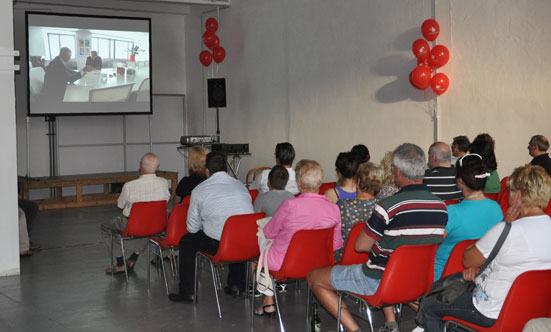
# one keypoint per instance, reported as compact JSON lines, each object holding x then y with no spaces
{"x":307,"y":211}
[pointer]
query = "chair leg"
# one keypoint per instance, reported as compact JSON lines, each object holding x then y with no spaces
{"x":369,"y":316}
{"x":197,"y":257}
{"x":215,"y":280}
{"x":309,"y":302}
{"x":339,"y":312}
{"x":281,"y":327}
{"x":398,"y":313}
{"x":111,"y":254}
{"x":124,"y":259}
{"x":252,"y":301}
{"x":148,"y":263}
{"x":163,"y":267}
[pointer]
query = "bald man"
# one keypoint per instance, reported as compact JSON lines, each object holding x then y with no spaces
{"x":148,"y":187}
{"x":440,"y":178}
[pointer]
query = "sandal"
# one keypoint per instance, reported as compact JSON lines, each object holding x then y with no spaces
{"x":261,"y":311}
{"x":115,"y":270}
{"x":130,"y":264}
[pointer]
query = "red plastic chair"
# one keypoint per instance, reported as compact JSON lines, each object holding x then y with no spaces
{"x":238,"y":243}
{"x":176,"y":228}
{"x":185,"y":200}
{"x":491,"y":196}
{"x":451,"y":202}
{"x":455,"y":261}
{"x":146,"y":219}
{"x":309,"y":249}
{"x":529,"y":297}
{"x":503,"y":196}
{"x":326,"y":186}
{"x":253,"y":193}
{"x":405,"y":279}
{"x":349,"y":255}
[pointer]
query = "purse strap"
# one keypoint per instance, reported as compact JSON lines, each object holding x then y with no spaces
{"x":497,"y":247}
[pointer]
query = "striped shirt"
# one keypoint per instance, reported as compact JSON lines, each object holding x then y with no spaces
{"x":413,"y":216}
{"x":441,"y":182}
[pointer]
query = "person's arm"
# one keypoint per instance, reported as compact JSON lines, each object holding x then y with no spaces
{"x":337,"y":233}
{"x":475,"y":255}
{"x":331,"y":195}
{"x":373,"y":230}
{"x":122,"y":201}
{"x":194,"y":223}
{"x":100,"y":63}
{"x":364,"y":242}
{"x":176,"y":199}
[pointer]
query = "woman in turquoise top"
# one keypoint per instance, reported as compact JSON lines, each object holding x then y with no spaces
{"x":474,"y":216}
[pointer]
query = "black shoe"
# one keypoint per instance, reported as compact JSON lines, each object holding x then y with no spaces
{"x":180,"y":297}
{"x":233,"y":290}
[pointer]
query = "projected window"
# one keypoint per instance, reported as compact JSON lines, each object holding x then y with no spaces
{"x":57,"y":41}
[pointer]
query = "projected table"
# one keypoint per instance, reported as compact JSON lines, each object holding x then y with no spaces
{"x":106,"y":78}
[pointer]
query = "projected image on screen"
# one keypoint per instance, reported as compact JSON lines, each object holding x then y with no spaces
{"x":88,"y":65}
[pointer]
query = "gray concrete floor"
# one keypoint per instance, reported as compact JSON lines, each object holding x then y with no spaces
{"x":63,"y":287}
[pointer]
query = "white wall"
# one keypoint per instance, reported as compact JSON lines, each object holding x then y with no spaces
{"x":9,"y":236}
{"x":326,"y":75}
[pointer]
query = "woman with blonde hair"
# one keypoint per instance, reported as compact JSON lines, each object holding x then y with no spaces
{"x":389,"y":187}
{"x":196,"y":168}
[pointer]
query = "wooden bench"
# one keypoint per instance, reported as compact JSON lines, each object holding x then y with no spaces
{"x":24,"y":184}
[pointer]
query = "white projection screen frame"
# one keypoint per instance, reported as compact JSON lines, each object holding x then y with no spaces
{"x":88,"y":65}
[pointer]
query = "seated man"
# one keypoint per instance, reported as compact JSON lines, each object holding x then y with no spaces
{"x":440,"y":178}
{"x":93,"y":62}
{"x":460,"y":146}
{"x":212,"y":202}
{"x":270,"y":201}
{"x":285,"y":154}
{"x":537,"y":148}
{"x":148,"y":187}
{"x":412,"y":216}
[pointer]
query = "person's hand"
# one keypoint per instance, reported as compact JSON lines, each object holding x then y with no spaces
{"x":513,"y":213}
{"x":470,"y":273}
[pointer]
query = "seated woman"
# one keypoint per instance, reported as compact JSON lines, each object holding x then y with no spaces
{"x":196,"y":168}
{"x":307,"y":211}
{"x":474,"y":216}
{"x":389,"y":185}
{"x":346,"y":165}
{"x":527,"y":247}
{"x":368,"y":183}
{"x":485,"y":148}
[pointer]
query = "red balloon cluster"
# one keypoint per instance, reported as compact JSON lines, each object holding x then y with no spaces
{"x":429,"y":59}
{"x":211,"y":40}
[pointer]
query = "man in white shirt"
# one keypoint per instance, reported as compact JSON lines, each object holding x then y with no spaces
{"x":212,"y":202}
{"x":148,"y":187}
{"x":284,"y":154}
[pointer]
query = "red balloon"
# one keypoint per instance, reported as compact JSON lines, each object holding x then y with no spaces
{"x":439,"y":56}
{"x":211,"y":24}
{"x":421,"y":49}
{"x":420,"y":77}
{"x":440,"y":83}
{"x":210,"y":39}
{"x":425,"y":63}
{"x":206,"y":58}
{"x":430,"y":29}
{"x":218,"y":53}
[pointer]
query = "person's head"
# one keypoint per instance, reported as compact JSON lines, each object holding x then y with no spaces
{"x":369,"y":178}
{"x":486,"y":150}
{"x":362,"y":153}
{"x":471,"y":171}
{"x":285,"y":154}
{"x":94,"y":54}
{"x":486,"y":137}
{"x":215,"y":162}
{"x":346,"y":165}
{"x":149,"y":163}
{"x":534,"y":185}
{"x":386,"y":164}
{"x":196,"y":160}
{"x":309,"y":176}
{"x":65,"y":54}
{"x":440,"y":154}
{"x":460,"y":145}
{"x":278,"y":177}
{"x":409,"y":164}
{"x":538,"y":145}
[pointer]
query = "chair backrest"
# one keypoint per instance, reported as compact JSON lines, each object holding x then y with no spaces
{"x":455,"y":261}
{"x":112,"y":93}
{"x":349,"y":255}
{"x":325,"y":186}
{"x":36,"y":80}
{"x":308,"y":250}
{"x":451,"y":202}
{"x":253,"y":193}
{"x":254,"y":172}
{"x":503,"y":196}
{"x":146,"y":218}
{"x":177,"y":225}
{"x":186,"y":200}
{"x":408,"y":272}
{"x":239,"y":241}
{"x":143,"y":91}
{"x":529,"y":297}
{"x":491,"y":196}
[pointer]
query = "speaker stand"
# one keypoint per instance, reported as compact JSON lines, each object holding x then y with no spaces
{"x":217,"y":125}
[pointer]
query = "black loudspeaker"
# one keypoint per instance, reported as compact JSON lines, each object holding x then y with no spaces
{"x":217,"y":92}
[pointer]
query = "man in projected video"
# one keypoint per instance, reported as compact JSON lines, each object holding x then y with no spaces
{"x":58,"y":75}
{"x":93,"y":62}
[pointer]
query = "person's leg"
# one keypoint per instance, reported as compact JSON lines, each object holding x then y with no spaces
{"x":236,"y":276}
{"x":189,"y":245}
{"x":24,"y":249}
{"x":538,"y":325}
{"x":31,"y":209}
{"x":109,"y":229}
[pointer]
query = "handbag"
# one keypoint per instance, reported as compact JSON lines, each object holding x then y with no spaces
{"x":264,"y":284}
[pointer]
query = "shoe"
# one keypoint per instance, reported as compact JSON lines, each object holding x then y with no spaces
{"x":418,"y":329}
{"x":281,"y":287}
{"x":390,"y":327}
{"x":233,"y":290}
{"x":180,"y":297}
{"x":262,"y":311}
{"x":116,"y":270}
{"x":130,"y":263}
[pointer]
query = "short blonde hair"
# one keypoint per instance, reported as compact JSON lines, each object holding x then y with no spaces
{"x":310,"y":174}
{"x":196,"y":161}
{"x":386,"y":165}
{"x":369,"y":177}
{"x":534,"y":184}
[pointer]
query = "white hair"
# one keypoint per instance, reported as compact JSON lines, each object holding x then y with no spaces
{"x":149,"y":163}
{"x":410,"y":159}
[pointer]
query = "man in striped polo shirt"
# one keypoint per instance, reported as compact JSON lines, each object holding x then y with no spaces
{"x":412,"y":216}
{"x":440,"y":178}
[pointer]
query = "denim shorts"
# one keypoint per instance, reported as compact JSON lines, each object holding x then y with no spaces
{"x":351,"y":278}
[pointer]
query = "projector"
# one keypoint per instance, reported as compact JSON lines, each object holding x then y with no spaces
{"x":193,"y":140}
